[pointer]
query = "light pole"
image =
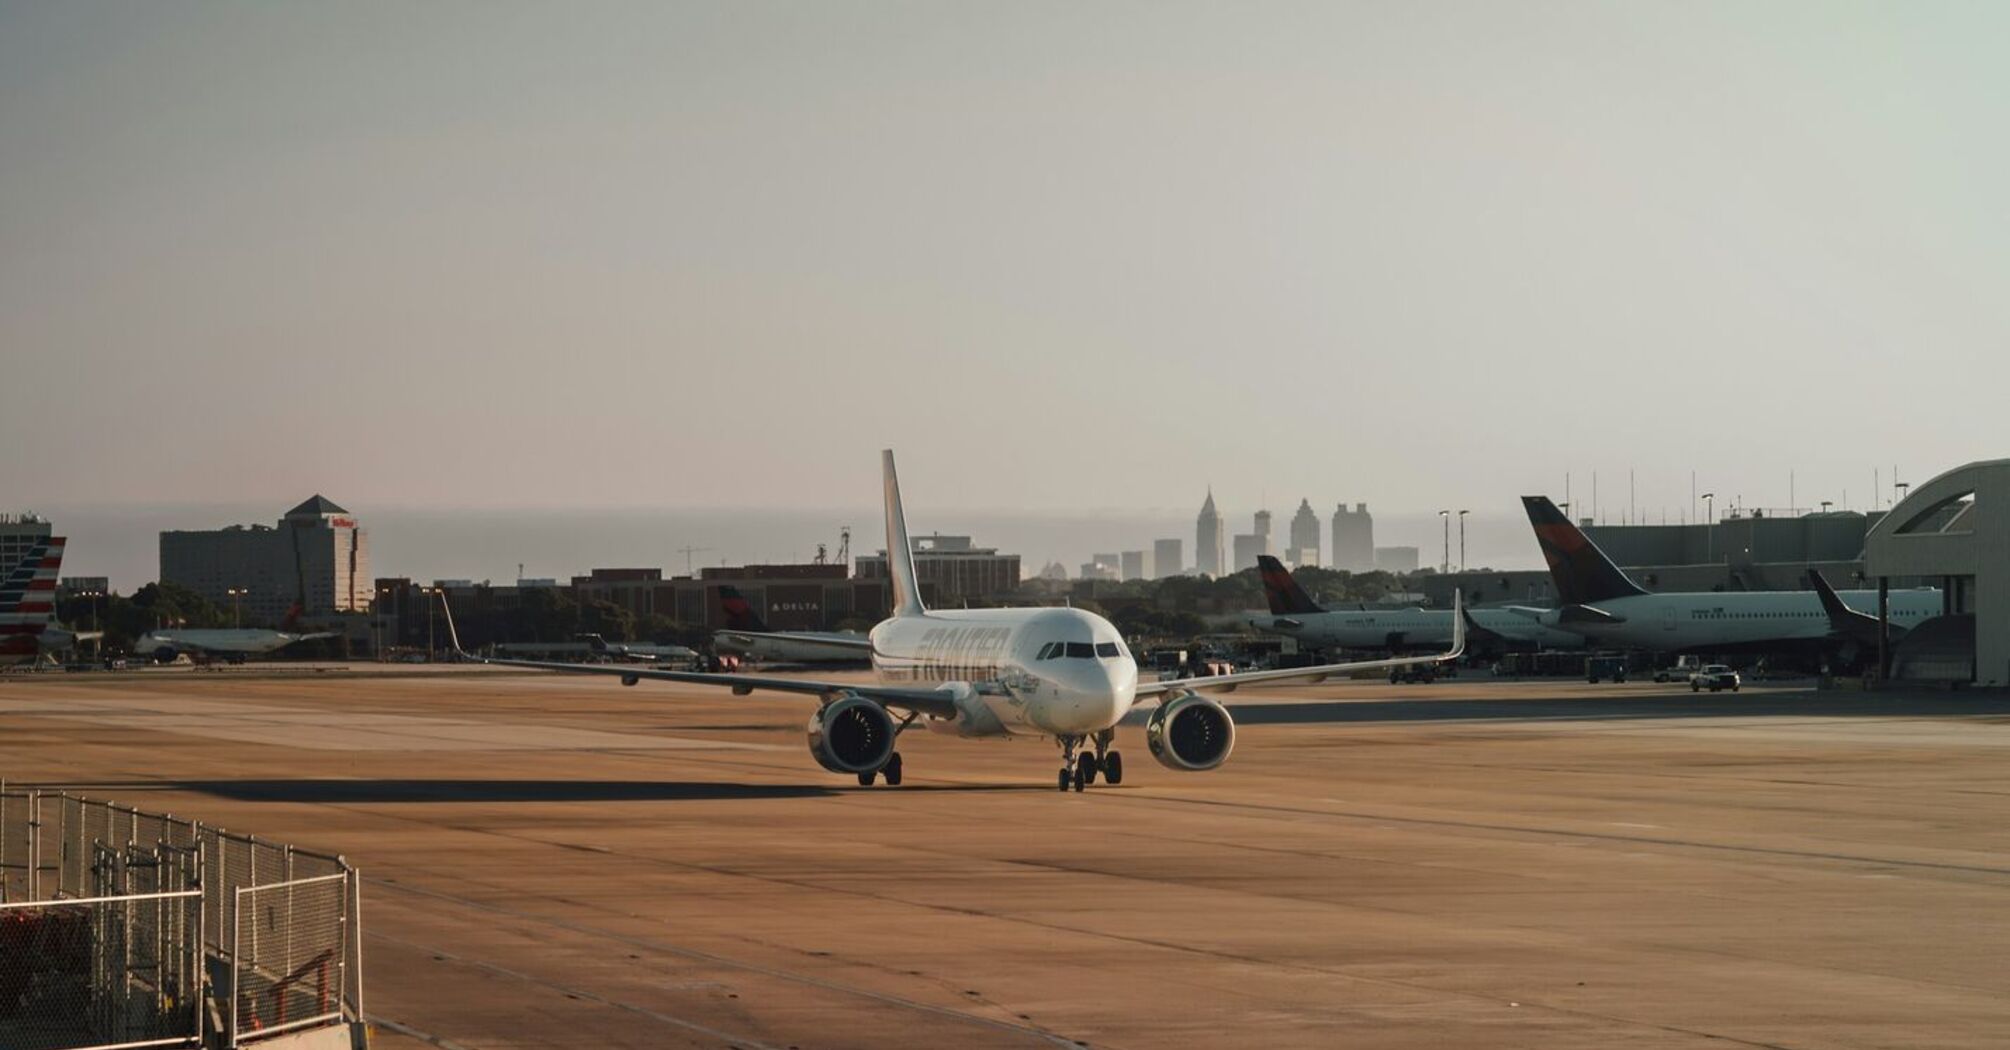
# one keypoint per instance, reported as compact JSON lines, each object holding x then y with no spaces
{"x":1903,"y":487}
{"x":237,"y":605}
{"x":1445,"y":516}
{"x":1709,"y":527}
{"x":1462,"y":540}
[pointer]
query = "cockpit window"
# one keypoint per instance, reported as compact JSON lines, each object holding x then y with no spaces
{"x":1047,"y":651}
{"x":1082,"y":650}
{"x":1106,"y":649}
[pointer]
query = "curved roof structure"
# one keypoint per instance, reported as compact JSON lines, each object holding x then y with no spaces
{"x":1957,"y":527}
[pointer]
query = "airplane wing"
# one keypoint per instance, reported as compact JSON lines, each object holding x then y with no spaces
{"x":937,"y":702}
{"x":1228,"y":683}
{"x":860,"y":644}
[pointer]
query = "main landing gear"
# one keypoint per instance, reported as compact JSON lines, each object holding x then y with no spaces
{"x":891,"y":771}
{"x":1079,"y":770}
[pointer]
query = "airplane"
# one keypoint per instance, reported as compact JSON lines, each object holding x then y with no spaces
{"x":1294,"y":614}
{"x":1602,"y":603}
{"x":28,"y":627}
{"x":1060,"y":673}
{"x":231,"y":644}
{"x":637,"y":651}
{"x":746,"y":635}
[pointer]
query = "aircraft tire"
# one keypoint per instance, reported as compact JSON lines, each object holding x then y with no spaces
{"x":866,"y":778}
{"x":1113,"y":768}
{"x":891,"y":771}
{"x":1085,"y":770}
{"x":1081,"y":778}
{"x":1066,"y":776}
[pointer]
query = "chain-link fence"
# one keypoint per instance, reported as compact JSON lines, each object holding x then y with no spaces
{"x":125,"y":928}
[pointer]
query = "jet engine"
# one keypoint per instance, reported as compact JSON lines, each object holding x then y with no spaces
{"x":851,"y":735}
{"x":1190,"y":732}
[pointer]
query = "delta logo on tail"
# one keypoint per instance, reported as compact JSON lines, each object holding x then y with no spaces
{"x":1282,"y":591}
{"x":740,"y":614}
{"x":1582,"y":573}
{"x":28,"y":600}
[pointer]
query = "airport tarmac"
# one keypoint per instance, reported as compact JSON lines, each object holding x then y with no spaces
{"x":563,"y":862}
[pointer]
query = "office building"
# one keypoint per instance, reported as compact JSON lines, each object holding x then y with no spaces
{"x":1396,"y":559}
{"x":1354,"y":540}
{"x":951,"y":570}
{"x":317,"y":560}
{"x":1209,"y":557}
{"x":1133,"y":565}
{"x":1167,"y":559}
{"x":1304,"y":548}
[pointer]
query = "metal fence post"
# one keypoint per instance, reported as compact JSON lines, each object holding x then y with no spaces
{"x":236,"y":929}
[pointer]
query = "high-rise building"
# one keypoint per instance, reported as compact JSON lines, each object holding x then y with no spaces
{"x":1304,"y":549}
{"x":1249,"y":545}
{"x":1396,"y":559}
{"x":1209,"y":557}
{"x":1134,"y":565}
{"x":1167,"y":559}
{"x":1353,"y":539}
{"x":317,"y":560}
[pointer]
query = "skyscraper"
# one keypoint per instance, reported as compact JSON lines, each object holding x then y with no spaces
{"x":1353,"y":539}
{"x":1250,"y":544}
{"x":1304,"y":549}
{"x":1209,"y":556}
{"x":1167,"y":559}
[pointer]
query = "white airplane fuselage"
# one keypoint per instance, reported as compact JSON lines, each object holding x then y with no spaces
{"x":245,"y":641}
{"x":1681,"y":622}
{"x":1420,"y":628}
{"x":1026,"y":672}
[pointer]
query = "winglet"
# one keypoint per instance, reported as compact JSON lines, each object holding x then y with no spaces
{"x":453,"y":636}
{"x":1285,"y":596}
{"x":899,"y":554}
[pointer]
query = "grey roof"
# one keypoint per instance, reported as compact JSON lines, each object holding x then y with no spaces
{"x":319,"y":504}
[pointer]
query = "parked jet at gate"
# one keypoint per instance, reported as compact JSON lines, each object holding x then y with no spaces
{"x":1059,"y":673}
{"x":1599,"y":601}
{"x":231,"y":644}
{"x":1294,"y":614}
{"x":745,"y":634}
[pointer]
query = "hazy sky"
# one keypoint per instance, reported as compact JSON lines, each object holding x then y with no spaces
{"x":1062,"y":256}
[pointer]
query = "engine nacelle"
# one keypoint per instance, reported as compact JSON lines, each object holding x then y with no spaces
{"x":851,"y":735}
{"x":1190,"y":732}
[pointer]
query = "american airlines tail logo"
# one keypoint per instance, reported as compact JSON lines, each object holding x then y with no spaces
{"x":28,"y":597}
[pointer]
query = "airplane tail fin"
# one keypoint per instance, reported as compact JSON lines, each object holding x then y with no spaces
{"x":1853,"y":624}
{"x":292,"y":620}
{"x":28,"y":597}
{"x":1285,"y":596}
{"x":740,"y":614}
{"x":447,"y":613}
{"x":899,"y":555}
{"x":1582,"y":573}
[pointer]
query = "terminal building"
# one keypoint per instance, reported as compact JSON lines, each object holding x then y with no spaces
{"x":1952,"y":532}
{"x":317,"y":559}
